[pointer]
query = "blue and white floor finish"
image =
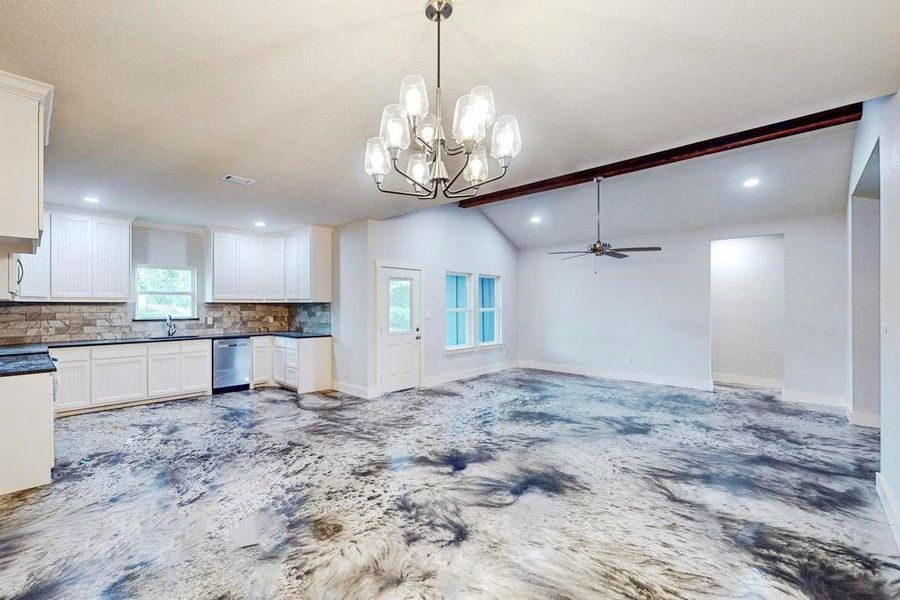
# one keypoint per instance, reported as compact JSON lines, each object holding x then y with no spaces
{"x":520,"y":484}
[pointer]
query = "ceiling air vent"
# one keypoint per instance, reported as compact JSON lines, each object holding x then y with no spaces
{"x":235,"y":179}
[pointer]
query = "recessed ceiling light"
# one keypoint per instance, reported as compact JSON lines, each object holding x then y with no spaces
{"x":91,"y":199}
{"x":752,"y":182}
{"x":260,"y":224}
{"x":535,"y":219}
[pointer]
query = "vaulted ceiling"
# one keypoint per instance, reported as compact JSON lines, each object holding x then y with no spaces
{"x":156,"y":100}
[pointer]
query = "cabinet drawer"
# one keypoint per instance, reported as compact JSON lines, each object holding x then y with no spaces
{"x":118,"y":351}
{"x":263,"y":341}
{"x":158,"y":348}
{"x":70,"y":354}
{"x":280,"y":342}
{"x":196,"y":346}
{"x":291,"y":358}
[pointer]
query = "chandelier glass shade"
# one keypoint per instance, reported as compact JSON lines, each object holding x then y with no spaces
{"x":413,"y":126}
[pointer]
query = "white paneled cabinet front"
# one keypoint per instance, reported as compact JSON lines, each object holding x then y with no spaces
{"x":112,"y":258}
{"x":90,"y":257}
{"x":164,"y":369}
{"x":118,"y":373}
{"x":296,"y":267}
{"x":97,"y":376}
{"x":33,"y":273}
{"x":263,"y":358}
{"x":71,"y":256}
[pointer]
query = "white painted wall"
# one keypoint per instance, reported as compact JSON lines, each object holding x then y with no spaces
{"x":654,"y":309}
{"x":881,"y":124}
{"x":439,"y":239}
{"x":167,"y":247}
{"x":747,"y":310}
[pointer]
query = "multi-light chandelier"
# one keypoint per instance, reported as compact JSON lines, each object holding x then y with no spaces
{"x":409,"y":125}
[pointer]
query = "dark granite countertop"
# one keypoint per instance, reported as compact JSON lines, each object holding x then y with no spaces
{"x":39,"y":348}
{"x":26,"y":364}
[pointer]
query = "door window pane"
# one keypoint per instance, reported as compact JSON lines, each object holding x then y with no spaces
{"x":400,"y":293}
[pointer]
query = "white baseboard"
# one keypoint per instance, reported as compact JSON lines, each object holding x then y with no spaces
{"x":465,"y":374}
{"x":765,"y":382}
{"x":891,"y":509}
{"x":862,"y":419}
{"x":684,"y":382}
{"x":355,"y":390}
{"x":814,"y":398}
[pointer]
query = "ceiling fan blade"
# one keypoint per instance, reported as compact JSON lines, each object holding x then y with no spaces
{"x":578,"y":255}
{"x":639,"y":249}
{"x":615,"y":254}
{"x":569,"y":252}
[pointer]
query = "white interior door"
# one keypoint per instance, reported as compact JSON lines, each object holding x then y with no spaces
{"x":399,"y":329}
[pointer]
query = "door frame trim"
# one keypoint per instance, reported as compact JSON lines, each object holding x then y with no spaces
{"x":405,"y":266}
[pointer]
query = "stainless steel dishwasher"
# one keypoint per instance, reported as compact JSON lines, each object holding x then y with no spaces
{"x":231,"y":365}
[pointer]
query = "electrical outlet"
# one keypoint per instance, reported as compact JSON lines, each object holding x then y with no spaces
{"x":627,"y":360}
{"x":270,"y":319}
{"x":209,"y":320}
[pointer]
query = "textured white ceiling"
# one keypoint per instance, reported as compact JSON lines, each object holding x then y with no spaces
{"x":799,"y":176}
{"x":155,"y":100}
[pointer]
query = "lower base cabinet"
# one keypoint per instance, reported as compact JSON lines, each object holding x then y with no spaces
{"x":99,"y":376}
{"x":301,"y":364}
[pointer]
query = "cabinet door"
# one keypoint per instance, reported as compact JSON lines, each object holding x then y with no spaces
{"x":278,"y":369}
{"x":273,"y":256}
{"x":21,"y":148}
{"x":225,"y":266}
{"x":304,"y":266}
{"x":36,"y":270}
{"x":196,"y":370}
{"x":314,"y":365}
{"x":71,"y":256}
{"x":251,"y":268}
{"x":112,"y":258}
{"x":291,"y":268}
{"x":262,"y":365}
{"x":74,"y":389}
{"x":291,"y":363}
{"x":119,"y":379}
{"x":163,"y":369}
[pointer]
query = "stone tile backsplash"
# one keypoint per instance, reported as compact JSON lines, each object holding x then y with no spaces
{"x":22,"y":323}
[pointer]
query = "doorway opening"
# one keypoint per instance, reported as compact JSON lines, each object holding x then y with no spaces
{"x":747,"y":300}
{"x":864,"y":386}
{"x":399,"y":302}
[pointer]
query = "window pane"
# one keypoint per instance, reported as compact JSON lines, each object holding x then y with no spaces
{"x":400,"y":291}
{"x":148,"y":279}
{"x":488,"y":326}
{"x":456,"y":291}
{"x":487,"y":286}
{"x":456,"y":328}
{"x":150,"y":306}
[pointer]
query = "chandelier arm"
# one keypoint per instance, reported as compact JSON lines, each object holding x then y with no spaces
{"x":452,"y":196}
{"x":475,"y":186}
{"x":408,"y":178}
{"x":454,"y":151}
{"x":425,"y":145}
{"x":458,"y":173}
{"x":399,"y":193}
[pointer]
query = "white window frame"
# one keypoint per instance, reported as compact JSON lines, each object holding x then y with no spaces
{"x":497,"y":310}
{"x":470,"y":336}
{"x":165,"y":293}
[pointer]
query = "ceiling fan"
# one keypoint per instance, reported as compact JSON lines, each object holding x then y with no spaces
{"x":601,"y":248}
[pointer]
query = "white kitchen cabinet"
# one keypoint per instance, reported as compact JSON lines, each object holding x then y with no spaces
{"x":71,"y":255}
{"x":163,"y":369}
{"x":112,"y":258}
{"x":73,"y":367}
{"x":32,"y":271}
{"x":314,"y":364}
{"x":26,"y":431}
{"x":291,"y":364}
{"x":196,"y":367}
{"x":118,"y":373}
{"x":263,"y":360}
{"x":278,"y":362}
{"x":252,"y":268}
{"x":273,"y":258}
{"x":226,"y":266}
{"x":293,"y":268}
{"x":25,"y":107}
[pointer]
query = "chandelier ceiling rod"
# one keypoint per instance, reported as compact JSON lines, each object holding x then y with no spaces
{"x":408,"y":124}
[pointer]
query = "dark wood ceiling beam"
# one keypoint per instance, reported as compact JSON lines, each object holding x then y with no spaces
{"x":732,"y":141}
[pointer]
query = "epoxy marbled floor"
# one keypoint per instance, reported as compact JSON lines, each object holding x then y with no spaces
{"x":520,"y":484}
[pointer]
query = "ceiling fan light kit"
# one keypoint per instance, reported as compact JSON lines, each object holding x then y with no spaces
{"x":408,"y":125}
{"x":601,"y":248}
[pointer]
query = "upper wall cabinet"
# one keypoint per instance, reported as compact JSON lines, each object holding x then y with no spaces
{"x":24,"y":129}
{"x":253,"y":268}
{"x":81,"y":258}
